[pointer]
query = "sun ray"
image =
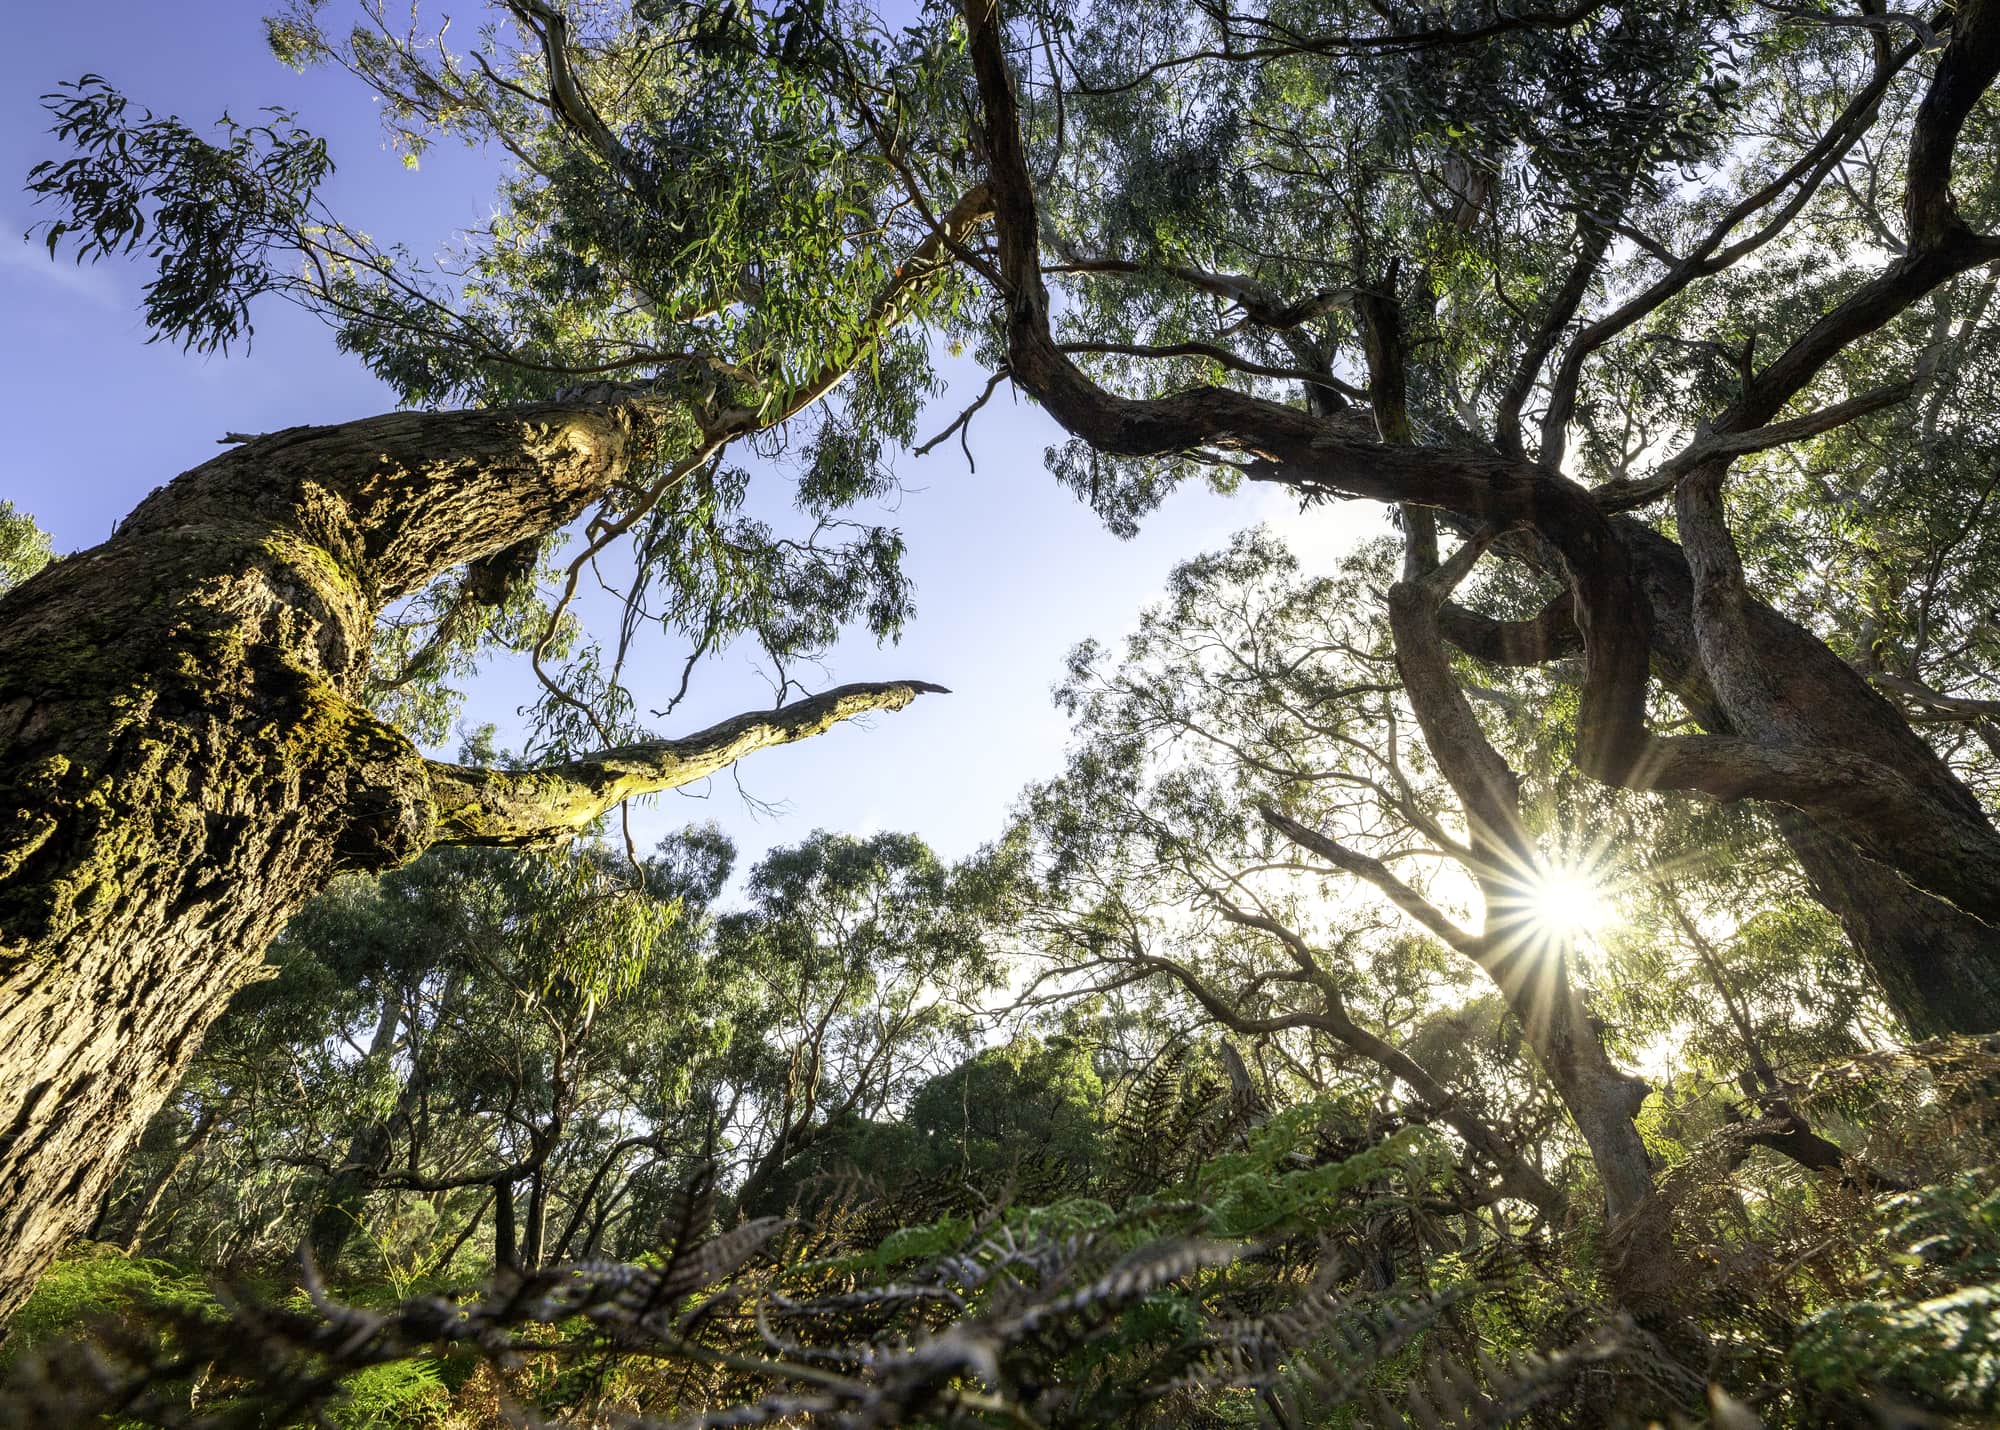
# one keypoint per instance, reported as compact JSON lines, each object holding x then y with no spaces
{"x":1568,"y":901}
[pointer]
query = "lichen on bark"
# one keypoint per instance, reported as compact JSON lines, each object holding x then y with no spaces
{"x":185,"y":756}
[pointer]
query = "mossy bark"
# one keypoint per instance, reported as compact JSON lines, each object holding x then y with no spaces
{"x":184,"y":761}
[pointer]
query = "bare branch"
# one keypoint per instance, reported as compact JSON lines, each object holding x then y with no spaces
{"x":557,"y":802}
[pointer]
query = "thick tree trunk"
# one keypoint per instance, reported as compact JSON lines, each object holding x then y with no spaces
{"x":183,"y":764}
{"x":1937,"y":966}
{"x":184,"y":761}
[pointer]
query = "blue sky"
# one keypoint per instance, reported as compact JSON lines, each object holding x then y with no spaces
{"x":1011,"y":571}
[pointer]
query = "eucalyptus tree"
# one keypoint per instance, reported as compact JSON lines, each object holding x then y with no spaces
{"x":703,"y":242}
{"x":865,"y":961}
{"x":1252,"y":685}
{"x":540,"y":1012}
{"x":1282,"y":808}
{"x":1543,"y":272}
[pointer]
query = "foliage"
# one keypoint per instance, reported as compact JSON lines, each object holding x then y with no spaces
{"x":96,"y":1283}
{"x":24,"y":546}
{"x":1942,"y":1349}
{"x":213,"y":211}
{"x":1075,"y":1309}
{"x":703,"y":207}
{"x":1255,"y":1074}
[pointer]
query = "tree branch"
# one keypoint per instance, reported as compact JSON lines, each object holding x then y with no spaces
{"x":557,"y":802}
{"x":1377,"y":873}
{"x":1625,"y":495}
{"x":1549,"y":635}
{"x":1261,"y":307}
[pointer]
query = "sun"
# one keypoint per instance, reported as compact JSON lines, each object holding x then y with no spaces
{"x":1566,"y":901}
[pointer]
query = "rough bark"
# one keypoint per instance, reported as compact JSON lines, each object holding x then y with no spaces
{"x":1805,"y":736}
{"x":184,"y":761}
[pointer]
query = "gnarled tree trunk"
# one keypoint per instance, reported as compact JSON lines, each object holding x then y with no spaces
{"x":184,"y":761}
{"x":1936,"y":965}
{"x":1803,"y":731}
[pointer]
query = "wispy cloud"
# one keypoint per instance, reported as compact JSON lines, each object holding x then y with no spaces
{"x":27,"y":261}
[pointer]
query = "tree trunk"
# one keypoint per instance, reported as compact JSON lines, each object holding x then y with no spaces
{"x":339,"y":1212}
{"x":1937,"y":966}
{"x":506,"y":1248}
{"x":535,"y":1232}
{"x":184,"y":761}
{"x":1528,"y":966}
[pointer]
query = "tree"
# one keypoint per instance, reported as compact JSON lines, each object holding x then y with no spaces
{"x":1247,"y":824}
{"x":528,"y":1006}
{"x":864,"y":960}
{"x":1522,"y":274}
{"x":190,"y":743}
{"x":514,"y":1058}
{"x":24,"y":546}
{"x":1450,"y":263}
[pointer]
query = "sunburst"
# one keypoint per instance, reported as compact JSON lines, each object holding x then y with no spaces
{"x":1559,"y":904}
{"x":1566,"y":901}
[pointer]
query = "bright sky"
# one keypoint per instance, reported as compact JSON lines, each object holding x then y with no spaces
{"x":1011,"y":571}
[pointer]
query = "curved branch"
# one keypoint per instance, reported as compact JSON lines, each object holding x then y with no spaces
{"x":1549,"y":635}
{"x":1969,"y":64}
{"x":1379,"y":874}
{"x":557,"y":802}
{"x":1941,"y":246}
{"x":1710,"y":256}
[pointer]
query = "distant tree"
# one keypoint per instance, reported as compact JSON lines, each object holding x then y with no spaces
{"x":1029,"y":1100}
{"x":864,"y":961}
{"x":488,"y":1049}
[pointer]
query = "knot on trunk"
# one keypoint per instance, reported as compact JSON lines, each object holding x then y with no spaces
{"x":390,"y":817}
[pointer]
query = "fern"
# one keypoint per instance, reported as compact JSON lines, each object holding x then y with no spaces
{"x":1940,"y":1349}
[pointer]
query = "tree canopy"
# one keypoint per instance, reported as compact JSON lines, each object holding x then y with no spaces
{"x":1537,"y":967}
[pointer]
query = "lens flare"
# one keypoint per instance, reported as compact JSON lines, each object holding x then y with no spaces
{"x":1566,"y":902}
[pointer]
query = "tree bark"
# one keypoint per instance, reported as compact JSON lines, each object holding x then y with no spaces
{"x":184,"y":760}
{"x":1805,"y":733}
{"x":1937,"y":966}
